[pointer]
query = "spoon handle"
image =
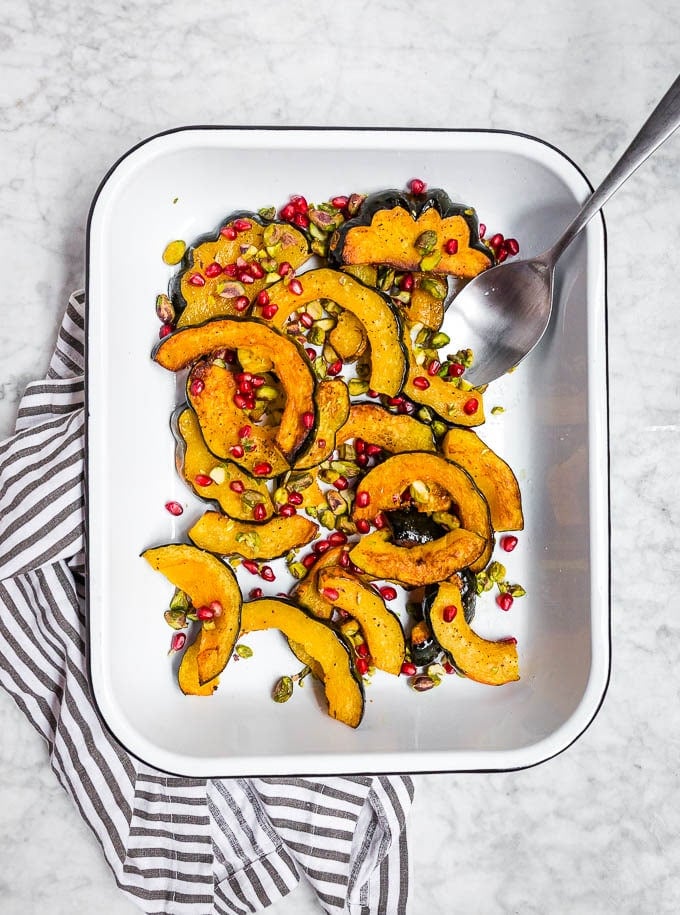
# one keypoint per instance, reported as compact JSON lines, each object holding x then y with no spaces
{"x":656,"y":130}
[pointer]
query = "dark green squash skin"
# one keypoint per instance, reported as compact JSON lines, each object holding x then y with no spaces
{"x":415,"y":204}
{"x":412,"y":527}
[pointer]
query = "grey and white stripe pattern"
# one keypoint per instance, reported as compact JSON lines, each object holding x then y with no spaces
{"x":174,"y":845}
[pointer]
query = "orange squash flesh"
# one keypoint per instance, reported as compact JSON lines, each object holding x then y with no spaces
{"x":268,"y":540}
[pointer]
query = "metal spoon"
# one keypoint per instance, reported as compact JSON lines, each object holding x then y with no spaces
{"x":503,"y":313}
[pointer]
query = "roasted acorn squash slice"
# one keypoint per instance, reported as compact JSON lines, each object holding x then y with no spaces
{"x":343,"y":688}
{"x":381,"y":489}
{"x":332,"y":411}
{"x":418,"y":565}
{"x":181,"y":348}
{"x":348,"y":338}
{"x":200,"y":291}
{"x":391,"y":431}
{"x":205,"y":579}
{"x":493,"y":477}
{"x":426,"y":232}
{"x":371,"y":307}
{"x":380,"y":627}
{"x":494,"y":663}
{"x":197,"y":462}
{"x":252,"y":540}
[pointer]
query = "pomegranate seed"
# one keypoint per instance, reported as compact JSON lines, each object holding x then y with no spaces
{"x":258,"y":381}
{"x":255,"y":593}
{"x":308,"y":420}
{"x":306,"y":319}
{"x":501,"y":255}
{"x":237,"y":485}
{"x":340,"y":202}
{"x":213,"y":269}
{"x":262,"y":469}
{"x":262,"y":297}
{"x":241,"y":303}
{"x":216,"y":607}
{"x":505,"y":601}
{"x":165,"y":329}
{"x":309,"y":560}
{"x":387,"y":592}
{"x":287,"y":212}
{"x":335,"y":367}
{"x":372,"y":393}
{"x":245,"y":432}
{"x":246,"y":387}
{"x":508,"y":543}
{"x":240,"y":401}
{"x":321,"y":546}
{"x":311,"y":353}
{"x":240,"y":377}
{"x":408,"y":668}
{"x":246,"y":277}
{"x":330,"y":593}
{"x":449,"y":613}
{"x":417,"y":186}
{"x":421,"y":382}
{"x":174,"y":508}
{"x":256,"y":270}
{"x":229,"y":270}
{"x":406,"y":282}
{"x":236,"y":451}
{"x":455,"y":370}
{"x":295,"y":287}
{"x":295,"y":498}
{"x":197,"y":386}
{"x":362,"y":460}
{"x":359,"y":445}
{"x":259,"y":512}
{"x":195,"y":279}
{"x":250,"y":566}
{"x":451,"y":246}
{"x":202,"y":479}
{"x":300,"y":204}
{"x":228,"y":232}
{"x":177,"y":642}
{"x":285,"y":268}
{"x":301,"y":220}
{"x":363,"y":526}
{"x":471,"y":406}
{"x":287,"y":510}
{"x":341,"y":483}
{"x":379,"y":521}
{"x":510,"y":640}
{"x":268,"y":311}
{"x":482,"y":230}
{"x":373,"y":450}
{"x":343,"y":559}
{"x":337,"y":538}
{"x":449,"y":668}
{"x":205,"y":613}
{"x":361,"y":666}
{"x":395,"y":401}
{"x":496,"y":240}
{"x":362,"y":650}
{"x":363,"y":498}
{"x":512,"y":246}
{"x":242,"y":225}
{"x":433,"y":367}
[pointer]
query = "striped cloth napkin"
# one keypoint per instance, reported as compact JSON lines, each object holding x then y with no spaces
{"x":175,"y":845}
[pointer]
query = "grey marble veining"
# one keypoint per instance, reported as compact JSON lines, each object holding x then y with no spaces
{"x":595,"y":830}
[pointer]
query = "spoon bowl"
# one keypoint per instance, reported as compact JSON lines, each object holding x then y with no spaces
{"x":503,"y":312}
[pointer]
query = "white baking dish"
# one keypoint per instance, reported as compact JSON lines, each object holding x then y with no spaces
{"x":553,"y":433}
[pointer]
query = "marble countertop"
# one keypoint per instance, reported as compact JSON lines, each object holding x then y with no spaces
{"x":596,"y":829}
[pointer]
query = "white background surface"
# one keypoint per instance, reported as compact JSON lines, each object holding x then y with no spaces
{"x":596,"y":829}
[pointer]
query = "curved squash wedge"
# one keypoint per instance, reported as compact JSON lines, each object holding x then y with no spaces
{"x":220,"y":420}
{"x":181,"y":348}
{"x":454,"y":404}
{"x":307,"y":591}
{"x":343,"y":688}
{"x":200,"y":291}
{"x":384,"y":484}
{"x":205,"y":579}
{"x":348,"y":338}
{"x":494,"y":663}
{"x":410,"y":232}
{"x":380,"y":627}
{"x":252,"y":540}
{"x":418,"y":565}
{"x":494,"y":478}
{"x":371,"y":307}
{"x":332,"y":410}
{"x":393,"y":432}
{"x":197,"y":461}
